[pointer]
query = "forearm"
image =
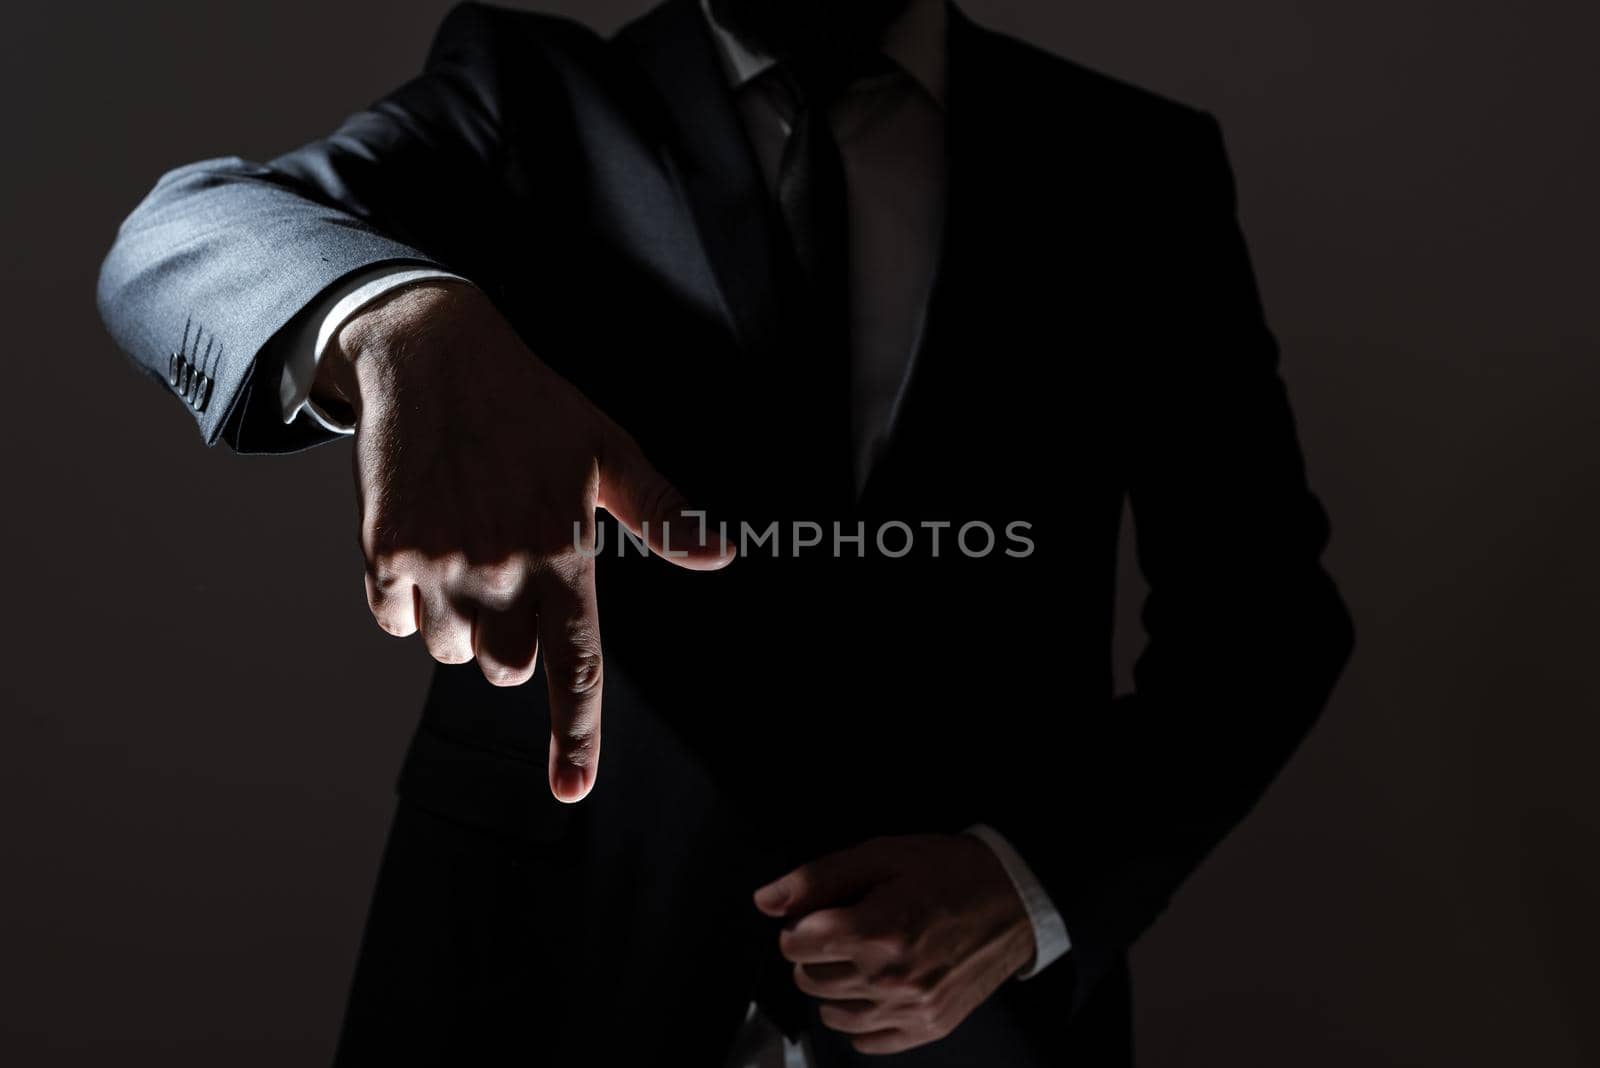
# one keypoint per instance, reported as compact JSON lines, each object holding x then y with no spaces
{"x":223,"y":255}
{"x":215,"y":261}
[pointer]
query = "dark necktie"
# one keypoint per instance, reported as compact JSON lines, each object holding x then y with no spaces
{"x":813,"y":200}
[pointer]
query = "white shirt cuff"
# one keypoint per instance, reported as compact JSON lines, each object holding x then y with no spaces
{"x":1050,"y":939}
{"x":303,"y":350}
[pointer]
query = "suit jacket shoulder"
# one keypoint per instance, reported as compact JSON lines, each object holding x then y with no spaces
{"x":487,"y":36}
{"x":1045,"y":75}
{"x":1132,"y":134}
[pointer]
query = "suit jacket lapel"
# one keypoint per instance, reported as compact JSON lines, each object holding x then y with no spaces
{"x":714,"y":163}
{"x":706,"y":145}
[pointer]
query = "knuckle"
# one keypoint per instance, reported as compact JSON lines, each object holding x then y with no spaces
{"x":787,"y":943}
{"x":843,"y":930}
{"x":800,"y":883}
{"x":579,"y":671}
{"x":567,"y":567}
{"x":579,"y":744}
{"x":893,"y":945}
{"x":385,"y":581}
{"x":584,"y":673}
{"x":840,"y":947}
{"x":449,"y":654}
{"x":502,"y":580}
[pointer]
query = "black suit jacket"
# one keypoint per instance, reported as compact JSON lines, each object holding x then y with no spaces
{"x":1094,"y":338}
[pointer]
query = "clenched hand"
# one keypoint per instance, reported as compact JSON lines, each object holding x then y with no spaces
{"x":478,"y":471}
{"x":900,"y":937}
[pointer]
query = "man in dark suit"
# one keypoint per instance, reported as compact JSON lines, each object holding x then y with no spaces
{"x":909,"y":309}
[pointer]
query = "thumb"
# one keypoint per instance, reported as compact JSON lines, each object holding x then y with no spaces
{"x":836,"y":879}
{"x":654,"y":511}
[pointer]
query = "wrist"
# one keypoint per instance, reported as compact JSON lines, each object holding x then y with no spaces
{"x":1017,"y":938}
{"x":1007,"y":913}
{"x":364,"y":352}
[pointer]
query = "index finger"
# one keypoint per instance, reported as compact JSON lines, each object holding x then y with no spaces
{"x":569,"y":639}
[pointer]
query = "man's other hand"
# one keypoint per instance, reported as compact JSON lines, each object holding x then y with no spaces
{"x":900,"y":938}
{"x":478,"y":472}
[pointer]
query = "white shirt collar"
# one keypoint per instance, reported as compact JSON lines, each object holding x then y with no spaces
{"x":915,"y":41}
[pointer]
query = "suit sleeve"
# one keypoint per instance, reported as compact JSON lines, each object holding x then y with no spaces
{"x":223,"y":254}
{"x":1245,"y":631}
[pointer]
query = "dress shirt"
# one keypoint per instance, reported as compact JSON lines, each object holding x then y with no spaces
{"x":891,"y":134}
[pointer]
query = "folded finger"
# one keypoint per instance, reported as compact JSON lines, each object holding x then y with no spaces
{"x":830,"y":979}
{"x":506,"y":643}
{"x":392,"y":600}
{"x":857,"y":1017}
{"x":445,"y":625}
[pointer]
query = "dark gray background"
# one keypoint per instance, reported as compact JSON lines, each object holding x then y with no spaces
{"x":201,"y":725}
